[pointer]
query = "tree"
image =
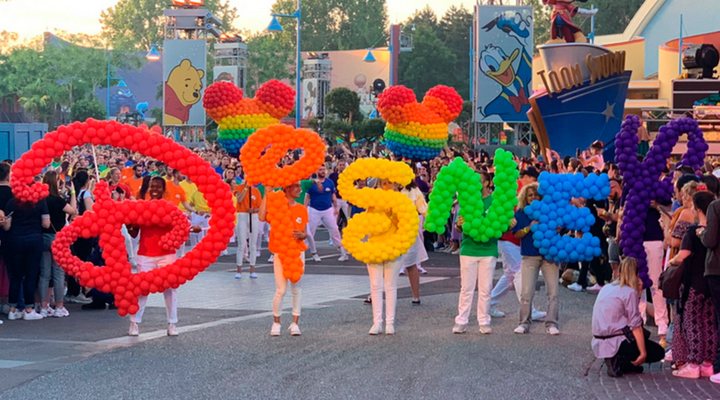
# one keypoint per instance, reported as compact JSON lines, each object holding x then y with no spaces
{"x":430,"y":63}
{"x":269,"y":57}
{"x":454,"y":31}
{"x":344,"y":103}
{"x":334,"y":128}
{"x":86,"y":108}
{"x":369,"y":129}
{"x":335,"y":25}
{"x":138,"y":24}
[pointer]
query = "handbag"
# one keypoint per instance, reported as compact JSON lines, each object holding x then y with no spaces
{"x":670,"y":281}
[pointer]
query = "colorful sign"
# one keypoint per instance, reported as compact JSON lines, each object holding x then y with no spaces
{"x":184,"y":73}
{"x":503,"y":63}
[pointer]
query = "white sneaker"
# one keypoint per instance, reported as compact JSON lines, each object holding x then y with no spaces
{"x":575,"y":287}
{"x":402,"y":272}
{"x":1,"y":322}
{"x":594,"y":288}
{"x":375,"y":329}
{"x":294,"y":329}
{"x":343,"y":257}
{"x":552,"y":330}
{"x":61,"y":312}
{"x":422,"y":270}
{"x":715,"y":378}
{"x":80,"y":299}
{"x":238,"y":275}
{"x":32,"y":316}
{"x":271,"y":258}
{"x":485,"y":329}
{"x":390,"y":329}
{"x":253,"y":275}
{"x":316,"y":258}
{"x":538,"y":315}
{"x":134,"y":329}
{"x":47,"y":312}
{"x":520,"y":330}
{"x":275,"y":329}
{"x":13,"y":315}
{"x":172,"y":330}
{"x":495,"y":313}
{"x":459,"y":329}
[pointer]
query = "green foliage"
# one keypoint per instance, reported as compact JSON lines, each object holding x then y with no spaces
{"x":344,"y":103}
{"x":369,"y":129}
{"x":430,"y":63}
{"x":86,"y":108}
{"x":334,"y":128}
{"x":335,"y":25}
{"x":454,"y":32}
{"x":138,"y":24}
{"x":269,"y":57}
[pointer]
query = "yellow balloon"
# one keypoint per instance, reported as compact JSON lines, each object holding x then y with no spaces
{"x":389,"y":225}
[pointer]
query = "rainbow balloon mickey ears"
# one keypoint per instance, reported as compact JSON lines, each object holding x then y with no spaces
{"x":418,"y":130}
{"x":239,"y":117}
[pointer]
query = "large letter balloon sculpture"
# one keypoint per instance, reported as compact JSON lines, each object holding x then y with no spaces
{"x":480,"y":224}
{"x":418,"y":131}
{"x":260,"y":157}
{"x":555,"y":211}
{"x":642,"y":180}
{"x":239,"y":117}
{"x":108,"y":216}
{"x":389,"y":225}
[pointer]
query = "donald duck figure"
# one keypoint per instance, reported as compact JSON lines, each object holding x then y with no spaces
{"x":512,"y":75}
{"x":563,"y":27}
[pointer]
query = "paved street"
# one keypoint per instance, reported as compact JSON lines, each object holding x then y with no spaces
{"x":224,"y":351}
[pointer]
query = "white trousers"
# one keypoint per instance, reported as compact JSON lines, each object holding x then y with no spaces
{"x":327,"y":218}
{"x":383,"y":277}
{"x":281,"y":284}
{"x":475,"y":271}
{"x":246,"y":229}
{"x":145,"y":264}
{"x":654,"y":251}
{"x":511,"y":260}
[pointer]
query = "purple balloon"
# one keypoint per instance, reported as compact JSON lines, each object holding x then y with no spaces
{"x":643,"y":180}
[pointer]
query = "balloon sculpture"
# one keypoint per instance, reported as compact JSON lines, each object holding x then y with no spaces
{"x":260,"y":157}
{"x":389,"y":226}
{"x":108,"y":216}
{"x":642,"y":180}
{"x":418,"y":130}
{"x":555,"y":211}
{"x":239,"y":117}
{"x":480,"y":224}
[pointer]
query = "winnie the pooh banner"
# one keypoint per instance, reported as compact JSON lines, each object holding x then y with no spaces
{"x":184,"y":73}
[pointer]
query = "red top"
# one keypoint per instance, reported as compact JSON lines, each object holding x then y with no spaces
{"x":150,"y":241}
{"x":174,"y":107}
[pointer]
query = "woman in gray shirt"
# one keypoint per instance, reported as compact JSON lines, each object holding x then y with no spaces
{"x":618,"y":334}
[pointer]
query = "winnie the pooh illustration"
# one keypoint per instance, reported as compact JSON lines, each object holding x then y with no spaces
{"x":183,"y":89}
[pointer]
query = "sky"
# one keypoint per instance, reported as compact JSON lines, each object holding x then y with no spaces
{"x":33,"y":17}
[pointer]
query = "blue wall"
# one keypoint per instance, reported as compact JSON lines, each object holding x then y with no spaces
{"x":15,"y":139}
{"x":699,"y":16}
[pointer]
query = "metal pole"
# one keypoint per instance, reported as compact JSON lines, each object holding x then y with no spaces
{"x":592,"y":26}
{"x":680,"y":46}
{"x":107,"y":96}
{"x":392,"y":56}
{"x":298,"y":89}
{"x":471,"y":56}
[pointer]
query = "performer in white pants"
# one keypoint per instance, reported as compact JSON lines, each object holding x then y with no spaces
{"x":247,"y":226}
{"x":511,"y":261}
{"x":323,"y":209}
{"x":152,"y":256}
{"x":299,"y":217}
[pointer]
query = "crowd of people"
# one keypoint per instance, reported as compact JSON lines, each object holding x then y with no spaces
{"x":681,"y":237}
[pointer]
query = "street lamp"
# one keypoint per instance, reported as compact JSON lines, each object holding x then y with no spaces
{"x":153,"y":54}
{"x":393,"y":48}
{"x":276,"y":27}
{"x":369,"y":57}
